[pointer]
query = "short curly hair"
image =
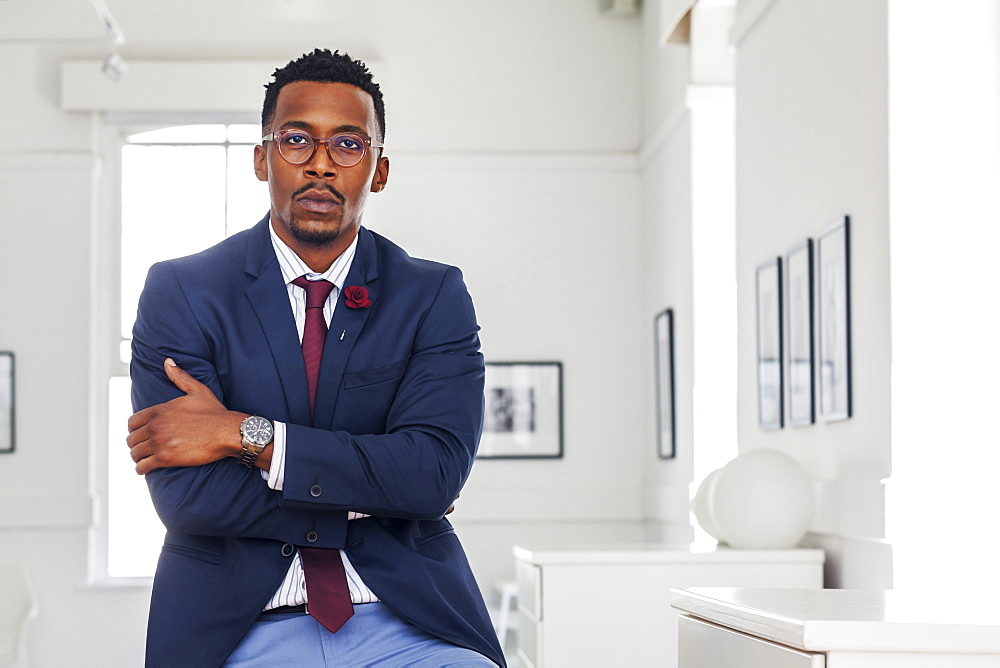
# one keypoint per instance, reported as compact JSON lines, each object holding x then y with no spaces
{"x":325,"y":67}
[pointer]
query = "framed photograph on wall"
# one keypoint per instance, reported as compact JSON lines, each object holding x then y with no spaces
{"x":524,"y":417}
{"x":666,"y":424}
{"x":6,"y":402}
{"x":833,"y":322}
{"x":770,"y":397}
{"x":800,"y":371}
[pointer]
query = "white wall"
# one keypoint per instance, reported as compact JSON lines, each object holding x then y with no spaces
{"x":945,"y":167}
{"x":665,"y":161}
{"x":812,"y":146}
{"x":687,"y":176}
{"x":503,"y":157}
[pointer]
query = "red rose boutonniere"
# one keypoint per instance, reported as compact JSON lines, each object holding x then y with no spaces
{"x":356,"y":296}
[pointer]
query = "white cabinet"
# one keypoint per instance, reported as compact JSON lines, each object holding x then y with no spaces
{"x":836,"y":628}
{"x":609,"y":606}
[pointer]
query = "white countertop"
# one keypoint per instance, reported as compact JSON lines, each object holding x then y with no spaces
{"x":650,"y":553}
{"x":823,"y":620}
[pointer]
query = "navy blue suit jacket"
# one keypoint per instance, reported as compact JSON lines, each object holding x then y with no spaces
{"x":399,"y":411}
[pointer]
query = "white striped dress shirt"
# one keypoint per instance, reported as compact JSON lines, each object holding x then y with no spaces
{"x":293,"y":589}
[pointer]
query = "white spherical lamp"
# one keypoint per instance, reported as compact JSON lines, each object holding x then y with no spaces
{"x":700,"y":506}
{"x":762,"y":499}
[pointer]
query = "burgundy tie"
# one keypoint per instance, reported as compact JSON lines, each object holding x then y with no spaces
{"x":326,"y":581}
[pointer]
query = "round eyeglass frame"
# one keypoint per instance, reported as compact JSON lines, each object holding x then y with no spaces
{"x":364,"y":140}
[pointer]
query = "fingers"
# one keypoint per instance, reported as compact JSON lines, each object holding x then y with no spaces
{"x":137,"y":436}
{"x":181,"y":378}
{"x":139,"y":419}
{"x":146,"y":465}
{"x":140,"y":452}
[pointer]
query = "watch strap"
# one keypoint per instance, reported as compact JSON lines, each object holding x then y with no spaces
{"x":248,"y":457}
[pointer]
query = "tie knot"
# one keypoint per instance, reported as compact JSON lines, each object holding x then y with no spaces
{"x":316,"y":291}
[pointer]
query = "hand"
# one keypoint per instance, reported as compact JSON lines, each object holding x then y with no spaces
{"x":191,"y":430}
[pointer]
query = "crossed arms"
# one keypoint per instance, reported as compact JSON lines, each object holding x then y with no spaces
{"x":183,"y":437}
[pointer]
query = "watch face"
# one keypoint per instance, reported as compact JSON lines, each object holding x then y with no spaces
{"x":258,"y":430}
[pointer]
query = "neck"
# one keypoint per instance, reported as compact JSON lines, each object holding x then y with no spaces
{"x":318,"y":256}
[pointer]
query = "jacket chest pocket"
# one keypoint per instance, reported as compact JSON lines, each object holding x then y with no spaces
{"x":384,"y":374}
{"x":367,"y":396}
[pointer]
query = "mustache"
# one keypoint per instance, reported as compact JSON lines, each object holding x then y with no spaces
{"x":320,"y":186}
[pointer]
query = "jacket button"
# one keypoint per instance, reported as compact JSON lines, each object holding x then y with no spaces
{"x":287,"y":550}
{"x":312,"y":536}
{"x":315,"y":490}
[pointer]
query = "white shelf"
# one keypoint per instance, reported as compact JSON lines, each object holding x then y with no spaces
{"x":643,"y":553}
{"x":830,"y":620}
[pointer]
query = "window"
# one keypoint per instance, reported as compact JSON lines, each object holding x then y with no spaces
{"x":183,"y":189}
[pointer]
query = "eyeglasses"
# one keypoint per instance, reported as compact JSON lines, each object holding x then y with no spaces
{"x":298,"y":147}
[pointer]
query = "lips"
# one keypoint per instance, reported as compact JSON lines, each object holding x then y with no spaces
{"x":318,"y":201}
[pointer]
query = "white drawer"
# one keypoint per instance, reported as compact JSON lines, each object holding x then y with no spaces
{"x":529,"y":589}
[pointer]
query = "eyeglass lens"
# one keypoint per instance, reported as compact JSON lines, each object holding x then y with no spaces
{"x":345,"y":150}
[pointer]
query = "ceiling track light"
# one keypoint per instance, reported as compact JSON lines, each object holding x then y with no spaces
{"x":115,"y":35}
{"x":114,"y":66}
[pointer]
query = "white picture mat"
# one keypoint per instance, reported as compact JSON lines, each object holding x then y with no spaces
{"x":769,"y":381}
{"x":799,"y":334}
{"x":833,"y":324}
{"x":523,"y":411}
{"x":6,"y":402}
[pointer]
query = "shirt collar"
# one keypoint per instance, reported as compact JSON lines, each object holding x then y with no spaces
{"x":292,"y":265}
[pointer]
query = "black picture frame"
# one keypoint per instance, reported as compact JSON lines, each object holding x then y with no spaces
{"x":524,"y":411}
{"x":7,"y":403}
{"x":834,"y":399}
{"x":666,"y":421}
{"x":800,"y":335}
{"x":770,"y":375}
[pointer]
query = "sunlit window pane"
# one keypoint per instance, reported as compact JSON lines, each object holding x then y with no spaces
{"x":182,"y":134}
{"x":244,"y":133}
{"x":183,"y":190}
{"x":173,"y":204}
{"x":134,"y":531}
{"x":248,"y":198}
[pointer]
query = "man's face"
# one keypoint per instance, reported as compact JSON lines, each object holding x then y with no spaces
{"x":319,"y":204}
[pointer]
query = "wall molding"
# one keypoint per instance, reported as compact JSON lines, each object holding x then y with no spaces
{"x":853,"y":562}
{"x":165,"y":85}
{"x":663,"y":133}
{"x":608,"y":503}
{"x":49,"y":161}
{"x":487,"y":161}
{"x":46,"y":512}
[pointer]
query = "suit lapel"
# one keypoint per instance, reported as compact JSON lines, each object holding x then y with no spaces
{"x":269,"y":298}
{"x":345,"y":328}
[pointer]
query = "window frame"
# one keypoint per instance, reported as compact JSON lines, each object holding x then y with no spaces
{"x":105,"y":327}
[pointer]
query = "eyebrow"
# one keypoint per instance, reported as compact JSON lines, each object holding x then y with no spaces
{"x":302,"y":125}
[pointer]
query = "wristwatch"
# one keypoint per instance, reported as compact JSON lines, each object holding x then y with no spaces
{"x":257,"y":433}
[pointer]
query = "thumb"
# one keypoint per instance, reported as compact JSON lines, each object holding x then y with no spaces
{"x":181,"y":378}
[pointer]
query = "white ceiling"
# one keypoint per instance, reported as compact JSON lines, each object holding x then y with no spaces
{"x":51,"y":21}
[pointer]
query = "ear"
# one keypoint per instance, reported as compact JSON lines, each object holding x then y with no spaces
{"x":381,"y":177}
{"x":260,"y":162}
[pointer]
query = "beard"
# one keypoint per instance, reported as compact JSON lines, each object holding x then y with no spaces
{"x":313,"y":237}
{"x":321,"y":235}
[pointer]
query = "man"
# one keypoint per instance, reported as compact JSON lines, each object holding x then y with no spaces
{"x":309,"y":403}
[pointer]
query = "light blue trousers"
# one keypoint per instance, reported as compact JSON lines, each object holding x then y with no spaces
{"x":374,"y":636}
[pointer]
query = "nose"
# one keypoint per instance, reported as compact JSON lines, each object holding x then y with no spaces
{"x":320,"y":164}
